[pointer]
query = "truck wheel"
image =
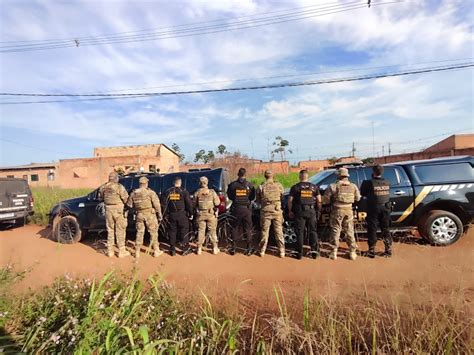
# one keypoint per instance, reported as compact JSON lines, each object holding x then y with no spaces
{"x":67,"y":230}
{"x":289,"y":233}
{"x":441,"y":227}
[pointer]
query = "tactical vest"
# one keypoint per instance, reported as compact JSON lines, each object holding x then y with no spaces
{"x":271,"y":194}
{"x":141,"y":200}
{"x":205,"y":200}
{"x":242,"y":193}
{"x":345,"y":193}
{"x":111,"y":194}
{"x":380,"y":193}
{"x":305,"y":194}
{"x":176,"y":199}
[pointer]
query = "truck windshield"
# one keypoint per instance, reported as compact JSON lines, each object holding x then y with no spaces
{"x":318,"y":177}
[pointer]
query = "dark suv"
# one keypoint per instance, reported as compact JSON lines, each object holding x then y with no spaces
{"x":435,"y":196}
{"x":73,"y":219}
{"x":16,"y":201}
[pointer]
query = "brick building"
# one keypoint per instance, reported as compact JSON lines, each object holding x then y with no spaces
{"x":91,"y":172}
{"x":457,"y":144}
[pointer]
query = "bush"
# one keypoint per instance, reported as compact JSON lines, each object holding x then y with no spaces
{"x":287,"y":180}
{"x":119,"y":315}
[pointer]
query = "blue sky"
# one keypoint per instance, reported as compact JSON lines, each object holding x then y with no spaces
{"x":410,"y":112}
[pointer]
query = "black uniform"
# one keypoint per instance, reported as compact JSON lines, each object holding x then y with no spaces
{"x":377,"y":192}
{"x":241,"y":192}
{"x":178,"y":207}
{"x":306,"y":214}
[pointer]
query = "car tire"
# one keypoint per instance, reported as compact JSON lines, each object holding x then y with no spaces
{"x":441,"y":228}
{"x":289,"y":233}
{"x":67,"y":230}
{"x":20,"y":222}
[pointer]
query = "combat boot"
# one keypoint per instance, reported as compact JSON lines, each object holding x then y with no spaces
{"x":187,"y":251}
{"x":110,"y":253}
{"x":137,"y":254}
{"x":352,"y":255}
{"x":123,"y":253}
{"x":199,"y":250}
{"x":333,"y":254}
{"x":371,"y":252}
{"x":261,"y":254}
{"x":388,"y":250}
{"x":282,"y":253}
{"x":215,"y":250}
{"x":232,"y":251}
{"x":173,"y":251}
{"x":313,"y":254}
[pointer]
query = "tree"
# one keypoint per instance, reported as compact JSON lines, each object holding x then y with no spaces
{"x":368,"y":161}
{"x":332,"y":161}
{"x":209,"y":156}
{"x":199,"y":155}
{"x":281,"y":147}
{"x":221,"y":149}
{"x":177,"y":149}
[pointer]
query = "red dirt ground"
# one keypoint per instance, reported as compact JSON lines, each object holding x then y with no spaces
{"x":413,"y":269}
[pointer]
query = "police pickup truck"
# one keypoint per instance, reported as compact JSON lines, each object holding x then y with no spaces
{"x":73,"y":219}
{"x":435,"y":196}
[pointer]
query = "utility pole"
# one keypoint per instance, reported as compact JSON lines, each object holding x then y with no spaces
{"x":383,"y":150}
{"x":373,"y":139}
{"x":389,"y":148}
{"x":353,"y":149}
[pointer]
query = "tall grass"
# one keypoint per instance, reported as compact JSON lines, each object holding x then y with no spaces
{"x":129,"y":316}
{"x":46,"y":198}
{"x":287,"y":180}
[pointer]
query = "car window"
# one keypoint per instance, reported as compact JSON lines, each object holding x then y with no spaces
{"x":444,"y":172}
{"x":13,"y":186}
{"x":319,"y":177}
{"x":391,"y":175}
{"x":331,"y":179}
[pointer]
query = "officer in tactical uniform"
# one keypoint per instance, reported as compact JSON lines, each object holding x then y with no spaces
{"x":304,"y":205}
{"x":241,"y":192}
{"x":178,"y":209}
{"x":269,"y":196}
{"x":147,"y":206}
{"x":377,"y":192}
{"x":341,"y":195}
{"x":205,"y":202}
{"x":115,"y":196}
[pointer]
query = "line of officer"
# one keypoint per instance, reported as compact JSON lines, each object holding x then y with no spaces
{"x":241,"y":192}
{"x":304,"y":206}
{"x":147,"y":205}
{"x":206,"y":202}
{"x":179,"y":209}
{"x":377,"y":192}
{"x":269,"y":196}
{"x":115,"y":196}
{"x":341,"y":195}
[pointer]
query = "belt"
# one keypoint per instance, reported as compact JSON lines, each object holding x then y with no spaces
{"x":210,"y":211}
{"x":342,"y":206}
{"x":307,"y":207}
{"x":145,"y":210}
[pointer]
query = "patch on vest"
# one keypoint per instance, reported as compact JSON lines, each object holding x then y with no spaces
{"x":175,"y":197}
{"x":240,"y":193}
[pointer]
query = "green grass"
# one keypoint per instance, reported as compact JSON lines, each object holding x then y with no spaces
{"x":116,"y":315}
{"x":287,"y":180}
{"x":45,"y":198}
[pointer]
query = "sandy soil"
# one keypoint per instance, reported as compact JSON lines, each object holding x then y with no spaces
{"x":414,"y":268}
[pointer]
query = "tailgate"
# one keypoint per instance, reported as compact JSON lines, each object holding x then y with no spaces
{"x":14,"y":196}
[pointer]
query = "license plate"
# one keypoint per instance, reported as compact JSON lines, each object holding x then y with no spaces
{"x":6,"y":215}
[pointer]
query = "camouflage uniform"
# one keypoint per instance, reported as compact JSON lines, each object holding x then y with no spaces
{"x":147,"y":206}
{"x":341,"y":195}
{"x":114,"y":196}
{"x":205,"y":200}
{"x":269,"y":196}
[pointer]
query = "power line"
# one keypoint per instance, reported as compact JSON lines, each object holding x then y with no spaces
{"x":287,"y":75}
{"x":193,"y":31}
{"x":99,"y":97}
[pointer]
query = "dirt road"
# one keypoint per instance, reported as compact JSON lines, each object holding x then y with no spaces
{"x":413,"y":268}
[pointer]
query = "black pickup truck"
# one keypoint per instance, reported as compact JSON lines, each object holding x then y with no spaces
{"x":73,"y":219}
{"x":435,"y":196}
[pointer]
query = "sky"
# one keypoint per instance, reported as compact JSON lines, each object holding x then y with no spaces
{"x":409,"y":112}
